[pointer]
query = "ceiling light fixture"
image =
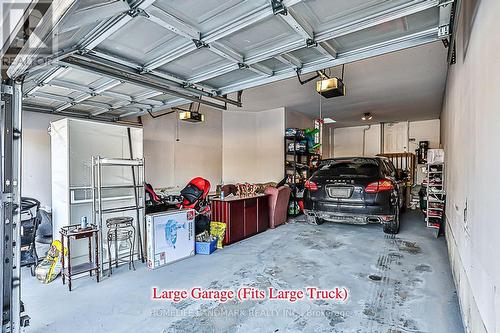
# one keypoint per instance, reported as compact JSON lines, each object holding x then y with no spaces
{"x":328,"y":121}
{"x":367,"y":116}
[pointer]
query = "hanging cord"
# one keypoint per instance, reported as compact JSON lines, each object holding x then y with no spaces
{"x":177,"y":126}
{"x":320,"y":126}
{"x":320,"y":109}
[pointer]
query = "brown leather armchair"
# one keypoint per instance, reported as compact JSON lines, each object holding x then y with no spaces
{"x":278,"y":204}
{"x":229,"y":189}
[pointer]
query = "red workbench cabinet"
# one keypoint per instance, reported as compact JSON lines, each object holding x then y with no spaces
{"x":244,"y":216}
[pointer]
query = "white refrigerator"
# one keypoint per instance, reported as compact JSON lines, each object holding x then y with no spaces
{"x":170,"y":236}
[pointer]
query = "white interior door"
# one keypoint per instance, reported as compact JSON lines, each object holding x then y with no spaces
{"x":395,"y":137}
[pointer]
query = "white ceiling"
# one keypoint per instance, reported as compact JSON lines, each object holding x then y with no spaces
{"x":404,"y":85}
{"x":121,"y":58}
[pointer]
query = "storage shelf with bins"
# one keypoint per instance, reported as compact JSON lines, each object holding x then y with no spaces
{"x":297,"y":166}
{"x":436,"y":196}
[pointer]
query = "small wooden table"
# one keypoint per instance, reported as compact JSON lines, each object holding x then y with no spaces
{"x":75,"y":232}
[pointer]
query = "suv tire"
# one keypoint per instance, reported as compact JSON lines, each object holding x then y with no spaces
{"x":314,"y":220}
{"x":392,"y":227}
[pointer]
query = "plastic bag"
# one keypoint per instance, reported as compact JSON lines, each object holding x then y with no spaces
{"x":44,"y":231}
{"x":218,"y":229}
{"x":50,"y":267}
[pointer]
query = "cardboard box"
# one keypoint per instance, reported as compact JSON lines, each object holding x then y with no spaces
{"x":435,"y":156}
{"x":170,"y":237}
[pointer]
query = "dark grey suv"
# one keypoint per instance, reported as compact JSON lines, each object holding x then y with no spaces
{"x":358,"y":190}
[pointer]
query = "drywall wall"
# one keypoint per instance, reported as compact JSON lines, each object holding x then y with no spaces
{"x":198,"y":152}
{"x":270,"y":145}
{"x":298,"y":120}
{"x":253,"y":146}
{"x":239,"y":156}
{"x":425,"y":130}
{"x":470,"y":123}
{"x":348,"y":141}
{"x":36,"y":175}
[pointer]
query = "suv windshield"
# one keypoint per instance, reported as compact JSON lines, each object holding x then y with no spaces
{"x":349,"y":168}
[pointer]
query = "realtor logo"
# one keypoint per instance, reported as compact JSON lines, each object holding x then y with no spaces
{"x":19,"y":35}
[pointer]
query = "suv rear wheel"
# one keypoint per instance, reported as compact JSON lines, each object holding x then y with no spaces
{"x":392,"y":227}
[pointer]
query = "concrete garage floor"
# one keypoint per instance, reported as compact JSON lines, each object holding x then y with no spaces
{"x":413,"y":289}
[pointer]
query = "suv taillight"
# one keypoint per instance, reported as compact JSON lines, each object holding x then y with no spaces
{"x":379,"y":186}
{"x":311,"y":186}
